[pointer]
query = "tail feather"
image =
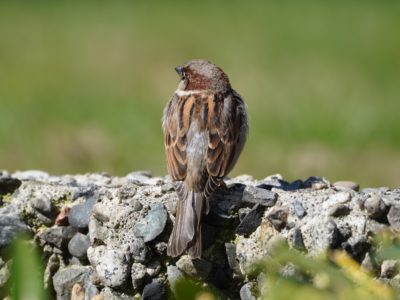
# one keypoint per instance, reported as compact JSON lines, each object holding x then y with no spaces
{"x":186,"y":234}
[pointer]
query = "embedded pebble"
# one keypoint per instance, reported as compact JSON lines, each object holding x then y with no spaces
{"x":251,"y":221}
{"x":346,"y":185}
{"x":79,"y":214}
{"x":154,"y":291}
{"x":389,"y":268}
{"x":196,"y":267}
{"x":153,"y":224}
{"x":254,"y":195}
{"x":78,"y":245}
{"x":299,"y":209}
{"x":394,"y":217}
{"x":374,"y":206}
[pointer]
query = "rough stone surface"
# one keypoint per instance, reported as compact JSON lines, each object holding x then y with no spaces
{"x":59,"y":236}
{"x":278,"y":217}
{"x":246,"y":291}
{"x":111,"y":265}
{"x":154,"y":291}
{"x":394,"y":217}
{"x":299,"y":209}
{"x":79,"y":214}
{"x":375,"y":206}
{"x":4,"y":272}
{"x":10,"y":226}
{"x":8,"y":184}
{"x":254,"y":195}
{"x":138,"y":273}
{"x":389,"y":268}
{"x":153,"y":224}
{"x":66,"y":278}
{"x":346,"y":185}
{"x":78,"y":245}
{"x":173,"y":275}
{"x":338,"y":210}
{"x":194,"y":267}
{"x":122,"y":225}
{"x":251,"y":221}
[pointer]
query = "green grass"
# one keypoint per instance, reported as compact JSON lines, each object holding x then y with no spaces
{"x":83,"y":85}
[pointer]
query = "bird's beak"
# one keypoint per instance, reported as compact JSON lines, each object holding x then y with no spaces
{"x":179,"y":70}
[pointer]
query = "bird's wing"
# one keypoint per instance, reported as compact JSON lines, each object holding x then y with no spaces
{"x":227,"y":126}
{"x":175,"y":138}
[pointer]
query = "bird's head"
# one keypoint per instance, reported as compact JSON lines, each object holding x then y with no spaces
{"x":202,"y":75}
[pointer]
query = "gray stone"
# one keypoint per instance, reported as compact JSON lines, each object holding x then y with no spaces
{"x":59,"y":236}
{"x":9,"y":184}
{"x":339,"y":210}
{"x":31,"y":175}
{"x":173,"y":275}
{"x":295,"y":239}
{"x":198,"y":268}
{"x":251,"y":221}
{"x":5,"y":272}
{"x":100,"y":213}
{"x":138,"y":273}
{"x":110,"y":294}
{"x":375,"y":207}
{"x":246,"y":291}
{"x":137,"y":206}
{"x":64,"y":280}
{"x":10,"y":226}
{"x":357,"y":247}
{"x":374,"y":190}
{"x":79,"y":215}
{"x":243,"y":212}
{"x":256,"y":195}
{"x":230,"y":250}
{"x":153,"y":224}
{"x":154,"y":291}
{"x":278,"y":217}
{"x":78,"y":245}
{"x":143,"y":178}
{"x":394,"y":217}
{"x":127,"y":191}
{"x":153,"y":268}
{"x":334,"y":237}
{"x":90,"y":289}
{"x":339,"y":198}
{"x":228,"y":199}
{"x":97,"y":233}
{"x":299,"y":209}
{"x":139,"y":251}
{"x":53,"y":264}
{"x":294,"y":185}
{"x":316,"y":183}
{"x":346,"y":185}
{"x":43,"y":205}
{"x":368,"y":263}
{"x":391,"y":198}
{"x":111,"y":265}
{"x":389,"y":268}
{"x":86,"y":191}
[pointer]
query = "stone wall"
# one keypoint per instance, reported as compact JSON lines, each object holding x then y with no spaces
{"x":105,"y":237}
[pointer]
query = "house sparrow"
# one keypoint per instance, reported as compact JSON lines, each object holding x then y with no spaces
{"x":205,"y":128}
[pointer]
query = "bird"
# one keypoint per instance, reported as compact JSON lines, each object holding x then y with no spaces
{"x":205,"y":128}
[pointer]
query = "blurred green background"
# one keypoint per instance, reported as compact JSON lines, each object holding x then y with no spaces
{"x":83,"y":84}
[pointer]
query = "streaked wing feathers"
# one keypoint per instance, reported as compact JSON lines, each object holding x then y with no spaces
{"x":224,"y":131}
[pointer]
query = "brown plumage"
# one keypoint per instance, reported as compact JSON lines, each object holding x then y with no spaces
{"x":205,"y":128}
